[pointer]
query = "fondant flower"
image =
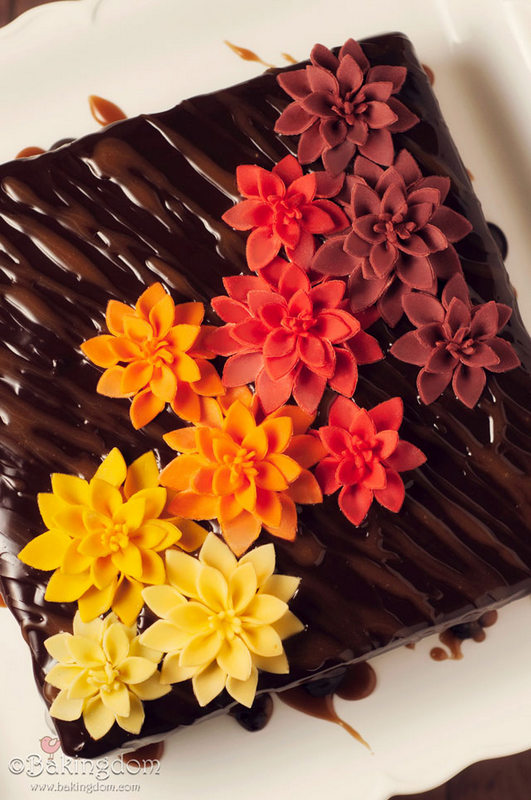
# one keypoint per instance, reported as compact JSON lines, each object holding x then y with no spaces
{"x":245,"y":474}
{"x":400,"y":237}
{"x":292,"y":339}
{"x":104,"y":674}
{"x":364,"y":456}
{"x":160,"y":345}
{"x":341,"y":105}
{"x":282,"y":210}
{"x":222,"y":620}
{"x":455,"y":341}
{"x":104,"y":537}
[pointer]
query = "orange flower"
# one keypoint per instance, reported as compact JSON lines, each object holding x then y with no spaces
{"x":243,"y":473}
{"x":160,"y":345}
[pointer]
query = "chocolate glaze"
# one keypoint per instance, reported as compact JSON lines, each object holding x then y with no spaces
{"x":500,"y":239}
{"x":254,"y":718}
{"x":429,"y":73}
{"x":144,"y":756}
{"x":107,"y":215}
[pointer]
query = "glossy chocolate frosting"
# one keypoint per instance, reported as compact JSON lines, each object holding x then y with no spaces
{"x":142,"y":201}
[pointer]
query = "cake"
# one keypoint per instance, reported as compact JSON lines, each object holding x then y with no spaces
{"x":284,"y":297}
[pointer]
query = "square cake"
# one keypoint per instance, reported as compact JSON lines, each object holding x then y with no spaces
{"x":265,"y":396}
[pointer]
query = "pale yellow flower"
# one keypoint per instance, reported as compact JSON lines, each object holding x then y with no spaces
{"x":222,"y":619}
{"x":104,"y":673}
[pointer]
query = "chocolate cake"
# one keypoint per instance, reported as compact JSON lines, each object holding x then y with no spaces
{"x":141,"y":204}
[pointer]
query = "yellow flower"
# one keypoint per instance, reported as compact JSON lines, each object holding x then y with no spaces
{"x":104,"y":674}
{"x":221,"y":619}
{"x":104,"y":537}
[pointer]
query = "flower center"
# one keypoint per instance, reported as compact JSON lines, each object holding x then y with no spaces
{"x":286,"y":211}
{"x":348,"y":108}
{"x":461,"y":344}
{"x":300,"y":324}
{"x":394,"y":227}
{"x":116,"y":537}
{"x":241,"y":464}
{"x":226,"y":623}
{"x":107,"y":678}
{"x":361,"y":456}
{"x":157,"y":352}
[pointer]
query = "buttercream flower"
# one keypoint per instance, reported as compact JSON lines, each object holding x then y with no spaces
{"x":154,"y":354}
{"x":343,"y":105}
{"x":245,"y":474}
{"x":455,"y":341}
{"x":364,"y":456}
{"x":292,"y":339}
{"x":105,"y":535}
{"x":281,"y":210}
{"x":222,"y":620}
{"x":104,"y":674}
{"x":401,"y":236}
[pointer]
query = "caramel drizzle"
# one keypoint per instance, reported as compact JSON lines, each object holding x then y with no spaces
{"x":248,"y":55}
{"x":104,"y":111}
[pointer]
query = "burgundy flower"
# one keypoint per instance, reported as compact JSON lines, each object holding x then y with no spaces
{"x":454,"y":341}
{"x":292,"y":338}
{"x":400,"y":237}
{"x":282,"y":210}
{"x":342,"y":105}
{"x":364,"y":456}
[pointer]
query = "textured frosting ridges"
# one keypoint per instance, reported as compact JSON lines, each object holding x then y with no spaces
{"x":143,"y":202}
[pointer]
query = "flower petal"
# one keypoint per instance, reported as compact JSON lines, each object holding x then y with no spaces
{"x":208,"y":683}
{"x":162,"y":600}
{"x":262,"y":640}
{"x":235,"y":660}
{"x":135,"y":719}
{"x":354,"y":502}
{"x":215,"y":553}
{"x":243,"y":691}
{"x":46,"y":551}
{"x":65,"y":708}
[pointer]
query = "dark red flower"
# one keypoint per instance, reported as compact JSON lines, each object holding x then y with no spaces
{"x":400,"y":237}
{"x":455,"y":341}
{"x":342,"y":104}
{"x":282,"y":209}
{"x":289,"y":339}
{"x":365,"y":455}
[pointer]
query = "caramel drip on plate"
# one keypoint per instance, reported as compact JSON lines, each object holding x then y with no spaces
{"x":104,"y":111}
{"x":26,"y":152}
{"x":289,"y":59}
{"x":248,"y":55}
{"x":454,"y":637}
{"x":320,"y":707}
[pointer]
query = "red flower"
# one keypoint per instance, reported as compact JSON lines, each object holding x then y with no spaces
{"x":289,"y":338}
{"x":282,"y":210}
{"x":342,"y":105}
{"x":400,"y":238}
{"x":454,"y":341}
{"x":365,"y":455}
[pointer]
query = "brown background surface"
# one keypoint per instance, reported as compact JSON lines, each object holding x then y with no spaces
{"x":499,"y":779}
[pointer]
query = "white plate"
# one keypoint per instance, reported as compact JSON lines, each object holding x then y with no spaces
{"x":426,"y":720}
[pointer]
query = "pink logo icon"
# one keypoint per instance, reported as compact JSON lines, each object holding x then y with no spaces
{"x":49,"y":745}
